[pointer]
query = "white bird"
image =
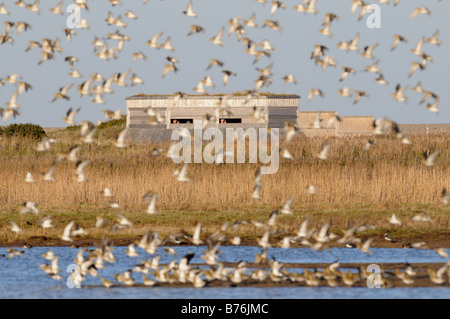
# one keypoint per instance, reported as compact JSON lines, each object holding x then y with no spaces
{"x":120,"y":143}
{"x":67,"y":232}
{"x":264,"y":240}
{"x":303,"y":230}
{"x":311,"y":189}
{"x":88,"y":138}
{"x":286,"y":154}
{"x":287,"y":207}
{"x":290,"y":78}
{"x":317,"y":121}
{"x":429,"y":159}
{"x":15,"y":228}
{"x":422,"y":217}
{"x":322,"y":236}
{"x":70,"y":116}
{"x":46,"y":222}
{"x":196,"y":237}
{"x":366,"y":245}
{"x":131,"y":251}
{"x":273,"y":218}
{"x":153,"y":43}
{"x":29,"y":178}
{"x":441,"y":252}
{"x":445,"y":196}
{"x":123,"y":221}
{"x":323,"y":155}
{"x":218,"y":38}
{"x":58,"y":9}
{"x":49,"y":255}
{"x":135,"y":79}
{"x":14,"y":252}
{"x":236,"y":240}
{"x":3,"y":9}
{"x":190,"y":10}
{"x":121,"y":77}
{"x":107,"y":193}
{"x":257,"y":192}
{"x":151,"y":209}
{"x":45,"y":144}
{"x":182,"y":173}
{"x":62,"y":94}
{"x":81,"y":165}
{"x":369,"y":144}
{"x":48,"y":177}
{"x":29,"y":207}
{"x":394,"y":220}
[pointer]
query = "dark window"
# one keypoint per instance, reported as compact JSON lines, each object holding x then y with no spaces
{"x":228,"y":121}
{"x":181,"y":121}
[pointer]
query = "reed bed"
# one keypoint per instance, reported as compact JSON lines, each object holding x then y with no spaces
{"x":389,"y":176}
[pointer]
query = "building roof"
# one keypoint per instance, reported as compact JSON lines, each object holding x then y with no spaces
{"x":218,"y":95}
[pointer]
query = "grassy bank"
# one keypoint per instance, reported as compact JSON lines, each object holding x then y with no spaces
{"x":353,"y":187}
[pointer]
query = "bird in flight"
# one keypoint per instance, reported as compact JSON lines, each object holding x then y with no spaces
{"x":190,"y":10}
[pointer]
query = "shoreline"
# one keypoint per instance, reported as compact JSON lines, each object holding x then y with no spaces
{"x":431,"y":243}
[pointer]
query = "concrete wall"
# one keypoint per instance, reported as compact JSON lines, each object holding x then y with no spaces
{"x":354,"y":125}
{"x":278,"y":108}
{"x":306,"y":119}
{"x":420,"y":129}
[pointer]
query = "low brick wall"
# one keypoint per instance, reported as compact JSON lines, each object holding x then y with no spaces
{"x":419,"y":129}
{"x":354,"y":125}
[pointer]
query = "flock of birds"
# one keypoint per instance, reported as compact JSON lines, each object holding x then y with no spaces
{"x":97,"y":85}
{"x":262,"y":269}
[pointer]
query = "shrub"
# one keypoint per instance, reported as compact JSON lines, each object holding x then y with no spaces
{"x":24,"y":130}
{"x":72,"y":128}
{"x":113,"y":123}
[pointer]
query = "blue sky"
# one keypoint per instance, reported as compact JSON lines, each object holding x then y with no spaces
{"x":293,"y":47}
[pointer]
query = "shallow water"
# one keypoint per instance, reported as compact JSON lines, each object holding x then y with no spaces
{"x":21,"y":277}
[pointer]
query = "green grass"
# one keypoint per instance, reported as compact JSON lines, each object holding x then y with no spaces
{"x":174,"y":220}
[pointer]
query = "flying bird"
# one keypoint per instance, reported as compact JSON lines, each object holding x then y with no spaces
{"x":70,"y":116}
{"x":394,"y":220}
{"x":397,"y":40}
{"x":218,"y":38}
{"x":430,"y":158}
{"x":66,"y":236}
{"x":323,"y":155}
{"x":121,"y":139}
{"x":62,"y":94}
{"x":399,"y":94}
{"x":190,"y":11}
{"x":287,"y":207}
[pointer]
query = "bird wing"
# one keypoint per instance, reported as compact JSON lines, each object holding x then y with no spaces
{"x":122,"y":135}
{"x":68,"y":229}
{"x":303,"y":228}
{"x":197,"y":231}
{"x":287,"y":204}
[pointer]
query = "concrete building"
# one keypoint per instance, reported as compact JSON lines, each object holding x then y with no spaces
{"x":153,"y":117}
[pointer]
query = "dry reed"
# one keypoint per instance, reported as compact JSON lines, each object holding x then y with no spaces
{"x":389,"y":176}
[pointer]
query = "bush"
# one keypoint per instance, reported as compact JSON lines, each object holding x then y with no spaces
{"x":24,"y":130}
{"x":72,"y":128}
{"x":113,"y":123}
